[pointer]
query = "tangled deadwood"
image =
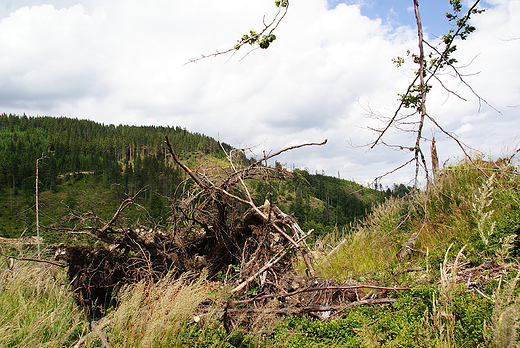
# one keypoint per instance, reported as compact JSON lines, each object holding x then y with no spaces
{"x":216,"y":227}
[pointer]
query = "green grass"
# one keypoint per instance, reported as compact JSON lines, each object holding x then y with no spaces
{"x":464,"y":208}
{"x":468,"y":218}
{"x":37,"y":308}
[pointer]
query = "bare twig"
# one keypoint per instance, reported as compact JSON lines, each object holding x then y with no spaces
{"x":125,"y":204}
{"x":268,"y":30}
{"x":406,"y":270}
{"x":235,"y":177}
{"x":391,"y":122}
{"x":363,"y":302}
{"x":96,"y":330}
{"x":34,"y":260}
{"x":321,"y":288}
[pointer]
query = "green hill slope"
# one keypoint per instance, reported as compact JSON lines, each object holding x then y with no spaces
{"x":90,"y":166}
{"x":86,"y":164}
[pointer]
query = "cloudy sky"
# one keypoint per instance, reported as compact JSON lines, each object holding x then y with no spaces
{"x":123,"y":62}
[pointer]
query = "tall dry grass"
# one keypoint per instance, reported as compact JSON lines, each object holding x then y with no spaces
{"x":37,"y":308}
{"x":443,"y":319}
{"x":506,"y":315}
{"x":154,"y":315}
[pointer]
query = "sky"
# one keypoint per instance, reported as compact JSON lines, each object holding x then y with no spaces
{"x":330,"y":68}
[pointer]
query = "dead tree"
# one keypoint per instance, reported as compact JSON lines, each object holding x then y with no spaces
{"x":219,"y":229}
{"x":235,"y":234}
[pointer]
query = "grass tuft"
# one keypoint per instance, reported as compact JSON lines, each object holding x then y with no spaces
{"x":37,"y":308}
{"x":506,"y":315}
{"x":154,"y":315}
{"x":370,"y":248}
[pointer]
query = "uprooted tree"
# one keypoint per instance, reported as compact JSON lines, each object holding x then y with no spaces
{"x":217,"y":227}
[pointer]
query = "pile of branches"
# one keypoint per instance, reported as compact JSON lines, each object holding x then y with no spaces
{"x":217,"y":227}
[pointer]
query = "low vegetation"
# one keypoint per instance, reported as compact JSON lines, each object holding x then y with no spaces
{"x":453,"y":249}
{"x":37,"y":308}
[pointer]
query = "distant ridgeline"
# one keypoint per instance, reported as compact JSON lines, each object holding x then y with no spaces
{"x":90,"y":166}
{"x":128,"y":155}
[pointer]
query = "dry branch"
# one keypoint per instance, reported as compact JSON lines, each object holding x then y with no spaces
{"x":184,"y":167}
{"x":365,"y":302}
{"x":34,"y":260}
{"x":307,"y":309}
{"x":320,"y":288}
{"x":233,"y":179}
{"x":125,"y":204}
{"x":96,"y":330}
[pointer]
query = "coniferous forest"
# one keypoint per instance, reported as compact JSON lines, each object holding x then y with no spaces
{"x":119,"y":159}
{"x":127,"y":155}
{"x":90,"y":165}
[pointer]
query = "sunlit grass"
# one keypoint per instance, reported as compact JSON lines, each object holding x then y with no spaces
{"x":462,"y":208}
{"x":370,"y":247}
{"x":37,"y":308}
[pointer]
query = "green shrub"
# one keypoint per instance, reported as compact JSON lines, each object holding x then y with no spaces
{"x":471,"y":312}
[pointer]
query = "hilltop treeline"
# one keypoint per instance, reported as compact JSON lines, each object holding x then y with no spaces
{"x":128,"y":155}
{"x":122,"y":160}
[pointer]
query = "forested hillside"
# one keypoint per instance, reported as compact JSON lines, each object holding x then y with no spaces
{"x":322,"y":202}
{"x":92,"y":166}
{"x":113,"y":160}
{"x":130,"y":155}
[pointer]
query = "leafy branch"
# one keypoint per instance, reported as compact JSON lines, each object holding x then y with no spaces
{"x":262,"y":38}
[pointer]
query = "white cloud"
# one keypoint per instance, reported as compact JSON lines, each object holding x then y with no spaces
{"x":465,"y":128}
{"x":50,"y":56}
{"x":122,"y":62}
